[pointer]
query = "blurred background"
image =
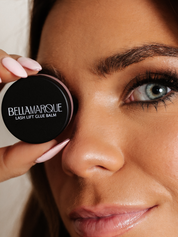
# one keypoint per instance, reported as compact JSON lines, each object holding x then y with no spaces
{"x":14,"y":28}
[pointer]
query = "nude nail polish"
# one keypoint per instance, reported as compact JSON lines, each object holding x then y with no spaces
{"x":14,"y":67}
{"x":0,"y":80}
{"x":29,"y":63}
{"x":52,"y":152}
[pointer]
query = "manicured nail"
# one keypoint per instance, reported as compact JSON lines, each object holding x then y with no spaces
{"x":52,"y":152}
{"x":0,"y":80}
{"x":14,"y":67}
{"x":29,"y":63}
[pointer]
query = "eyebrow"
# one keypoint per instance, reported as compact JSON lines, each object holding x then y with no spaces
{"x":119,"y":61}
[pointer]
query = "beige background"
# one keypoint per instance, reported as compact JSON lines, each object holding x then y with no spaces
{"x":13,"y":39}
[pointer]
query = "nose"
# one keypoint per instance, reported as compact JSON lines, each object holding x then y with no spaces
{"x":94,"y":147}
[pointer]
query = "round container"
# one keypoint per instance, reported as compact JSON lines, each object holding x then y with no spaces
{"x":37,"y":109}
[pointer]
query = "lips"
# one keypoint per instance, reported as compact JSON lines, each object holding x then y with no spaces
{"x":106,"y":221}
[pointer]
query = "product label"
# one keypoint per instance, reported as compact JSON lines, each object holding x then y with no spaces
{"x":35,"y":111}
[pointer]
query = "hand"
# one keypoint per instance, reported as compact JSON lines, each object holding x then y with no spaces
{"x":17,"y":159}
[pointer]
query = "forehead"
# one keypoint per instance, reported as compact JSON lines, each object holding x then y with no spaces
{"x":81,"y":31}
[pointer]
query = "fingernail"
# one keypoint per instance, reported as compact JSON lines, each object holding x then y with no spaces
{"x":0,"y":80}
{"x":52,"y":152}
{"x":29,"y":63}
{"x":14,"y":67}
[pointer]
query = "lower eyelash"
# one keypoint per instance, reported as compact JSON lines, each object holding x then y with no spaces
{"x":154,"y":103}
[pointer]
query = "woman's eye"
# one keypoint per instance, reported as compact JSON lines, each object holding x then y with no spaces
{"x":148,"y":92}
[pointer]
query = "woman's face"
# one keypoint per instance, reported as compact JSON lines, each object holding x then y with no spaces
{"x":118,"y":175}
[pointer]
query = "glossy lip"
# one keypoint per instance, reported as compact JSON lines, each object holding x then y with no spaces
{"x":106,"y":221}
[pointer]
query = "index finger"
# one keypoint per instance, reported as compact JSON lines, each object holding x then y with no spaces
{"x":13,"y":67}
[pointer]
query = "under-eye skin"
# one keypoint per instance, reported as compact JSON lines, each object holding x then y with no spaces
{"x":166,"y":82}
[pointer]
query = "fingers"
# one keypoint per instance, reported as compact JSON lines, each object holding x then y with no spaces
{"x":18,"y":159}
{"x":13,"y":67}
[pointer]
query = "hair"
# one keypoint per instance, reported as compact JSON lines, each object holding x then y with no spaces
{"x":41,"y":216}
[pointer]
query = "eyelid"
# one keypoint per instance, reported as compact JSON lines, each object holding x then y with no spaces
{"x":134,"y":97}
{"x":167,"y":78}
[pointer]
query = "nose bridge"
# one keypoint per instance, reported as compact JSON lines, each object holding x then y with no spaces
{"x":97,"y":115}
{"x":94,"y":146}
{"x":93,"y":120}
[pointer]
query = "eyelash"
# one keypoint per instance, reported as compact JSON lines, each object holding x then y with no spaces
{"x":168,"y":79}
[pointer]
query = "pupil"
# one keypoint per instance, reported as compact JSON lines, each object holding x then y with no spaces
{"x":156,"y":90}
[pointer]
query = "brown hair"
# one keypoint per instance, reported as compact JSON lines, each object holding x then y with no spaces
{"x":40,"y":10}
{"x":41,"y":216}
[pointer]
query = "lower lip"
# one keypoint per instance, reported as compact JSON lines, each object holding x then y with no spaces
{"x":108,"y":226}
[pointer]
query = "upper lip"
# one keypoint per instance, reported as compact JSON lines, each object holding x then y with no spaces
{"x":104,"y":211}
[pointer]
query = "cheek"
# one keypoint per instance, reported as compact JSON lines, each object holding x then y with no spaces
{"x":154,"y":147}
{"x":63,"y":187}
{"x":55,"y":175}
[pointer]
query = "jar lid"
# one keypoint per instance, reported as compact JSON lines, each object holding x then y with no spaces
{"x":37,"y":109}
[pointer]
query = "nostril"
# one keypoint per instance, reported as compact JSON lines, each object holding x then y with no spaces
{"x":101,"y":167}
{"x":86,"y":157}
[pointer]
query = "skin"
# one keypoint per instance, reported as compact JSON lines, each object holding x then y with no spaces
{"x":118,"y":155}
